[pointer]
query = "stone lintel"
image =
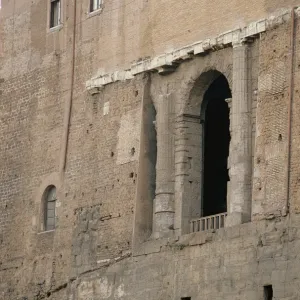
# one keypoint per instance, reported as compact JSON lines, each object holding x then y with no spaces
{"x":167,"y":63}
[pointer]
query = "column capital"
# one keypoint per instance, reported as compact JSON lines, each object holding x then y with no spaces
{"x":242,"y":42}
{"x":229,"y":102}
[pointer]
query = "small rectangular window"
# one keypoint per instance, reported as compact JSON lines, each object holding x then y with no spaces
{"x":95,"y":4}
{"x":268,"y":292}
{"x":55,"y":13}
{"x":186,"y":298}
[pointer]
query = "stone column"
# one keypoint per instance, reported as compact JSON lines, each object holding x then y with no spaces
{"x":163,"y":212}
{"x":239,"y":210}
{"x":188,"y":171}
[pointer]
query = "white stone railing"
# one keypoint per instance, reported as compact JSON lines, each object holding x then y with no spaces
{"x":209,"y":222}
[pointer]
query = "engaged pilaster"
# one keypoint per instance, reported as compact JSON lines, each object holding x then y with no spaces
{"x":239,"y":208}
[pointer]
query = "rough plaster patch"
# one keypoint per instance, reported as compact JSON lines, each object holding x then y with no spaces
{"x":119,"y":292}
{"x":275,"y":81}
{"x":103,"y":287}
{"x":128,"y":137}
{"x":105,"y":108}
{"x":85,"y":290}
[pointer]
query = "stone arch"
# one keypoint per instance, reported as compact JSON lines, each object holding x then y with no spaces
{"x":200,"y":86}
{"x":190,"y":149}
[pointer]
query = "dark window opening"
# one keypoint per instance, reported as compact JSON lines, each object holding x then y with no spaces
{"x":95,"y":4}
{"x":186,"y":298}
{"x":216,"y":139}
{"x":49,"y":208}
{"x":54,"y":13}
{"x":268,"y":292}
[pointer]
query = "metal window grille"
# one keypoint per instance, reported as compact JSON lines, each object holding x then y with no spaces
{"x":55,"y":11}
{"x":95,"y":4}
{"x":50,"y":208}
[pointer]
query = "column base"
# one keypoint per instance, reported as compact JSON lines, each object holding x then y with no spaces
{"x":162,"y":235}
{"x":237,"y":218}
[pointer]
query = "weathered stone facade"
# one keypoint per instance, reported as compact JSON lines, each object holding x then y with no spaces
{"x":108,"y":108}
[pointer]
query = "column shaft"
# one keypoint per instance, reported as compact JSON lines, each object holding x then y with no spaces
{"x":239,"y":210}
{"x":163,"y":218}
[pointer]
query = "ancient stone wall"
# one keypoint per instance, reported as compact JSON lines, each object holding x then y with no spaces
{"x":232,"y":263}
{"x":99,"y":212}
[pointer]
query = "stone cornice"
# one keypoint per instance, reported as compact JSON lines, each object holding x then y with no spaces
{"x":168,"y":62}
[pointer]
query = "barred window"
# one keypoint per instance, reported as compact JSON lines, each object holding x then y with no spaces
{"x":55,"y":11}
{"x":49,"y":208}
{"x":95,"y":4}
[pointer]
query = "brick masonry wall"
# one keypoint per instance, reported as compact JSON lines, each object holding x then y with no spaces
{"x":270,"y":161}
{"x":96,"y":196}
{"x":123,"y":33}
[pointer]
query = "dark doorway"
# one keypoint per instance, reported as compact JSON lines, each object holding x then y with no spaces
{"x":216,"y":138}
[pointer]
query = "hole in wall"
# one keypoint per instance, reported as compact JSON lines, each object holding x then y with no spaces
{"x":136,"y":93}
{"x":112,"y":154}
{"x":132,"y":151}
{"x":279,"y":137}
{"x":268,"y":292}
{"x":131,"y":175}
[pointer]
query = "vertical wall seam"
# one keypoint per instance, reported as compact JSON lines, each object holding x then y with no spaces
{"x":67,"y":116}
{"x":291,"y":87}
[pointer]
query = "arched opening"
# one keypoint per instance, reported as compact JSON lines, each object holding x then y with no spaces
{"x":216,"y":140}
